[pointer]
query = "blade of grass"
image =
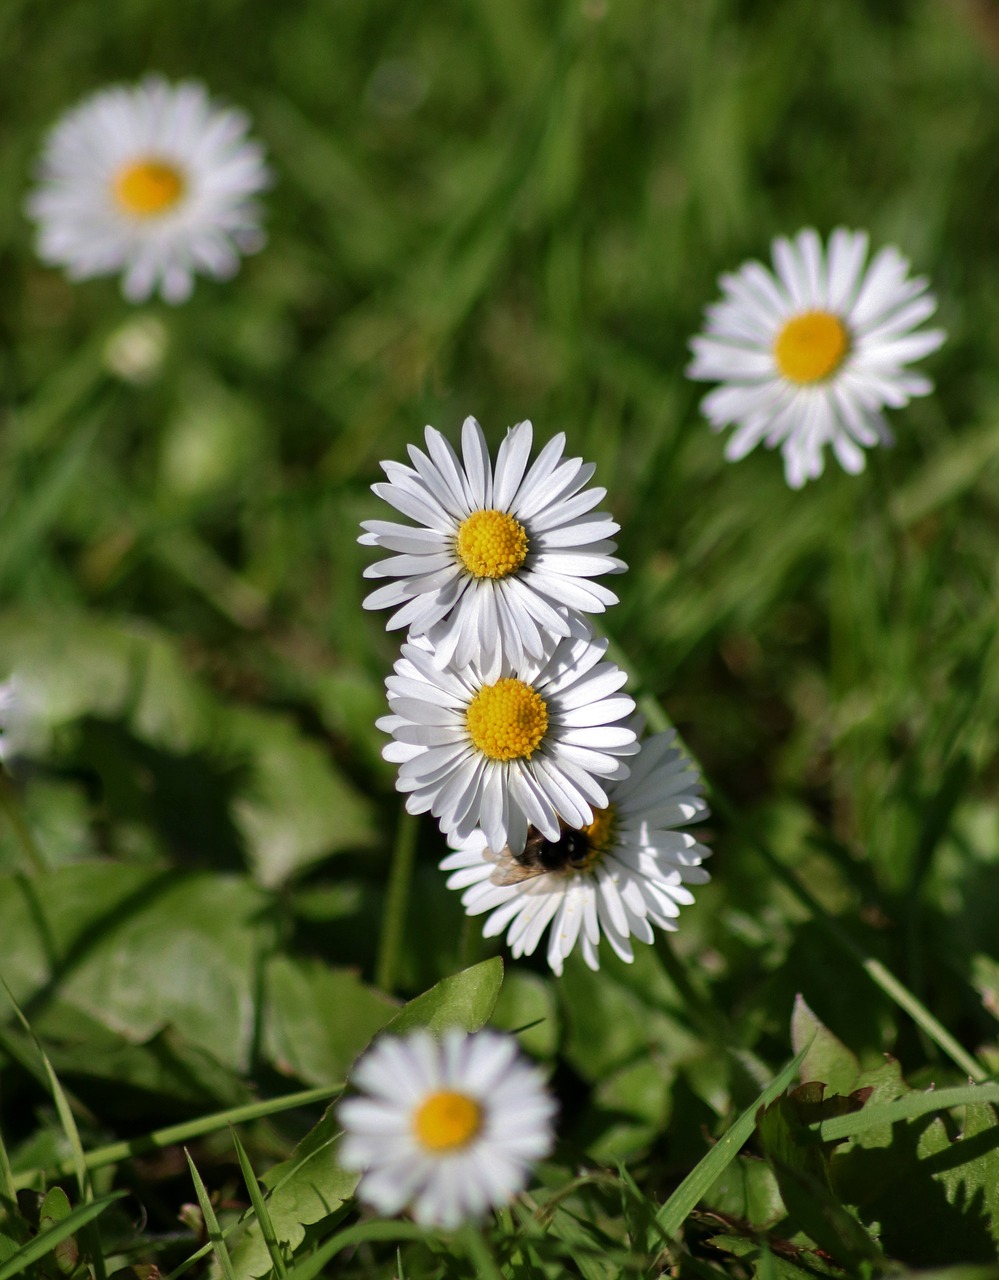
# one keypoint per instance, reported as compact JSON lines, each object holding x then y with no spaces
{"x":260,"y":1208}
{"x":879,"y":974}
{"x":68,"y":1122}
{"x":215,"y":1236}
{"x":46,"y":1241}
{"x":115,"y":1152}
{"x":706,"y":1172}
{"x":479,"y":1254}
{"x":908,"y":1107}
{"x":10,"y":1215}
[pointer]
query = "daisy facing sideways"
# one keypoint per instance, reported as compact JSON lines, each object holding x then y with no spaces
{"x":498,"y":558}
{"x":448,"y":1130}
{"x":526,"y":749}
{"x":625,"y":871}
{"x":153,"y":180}
{"x":810,"y":354}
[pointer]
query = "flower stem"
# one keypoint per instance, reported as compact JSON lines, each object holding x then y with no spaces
{"x":396,"y":901}
{"x":9,"y":803}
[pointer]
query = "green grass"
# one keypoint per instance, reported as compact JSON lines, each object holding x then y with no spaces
{"x":508,"y":210}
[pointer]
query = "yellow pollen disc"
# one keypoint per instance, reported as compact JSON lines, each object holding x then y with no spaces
{"x":447,"y":1121}
{"x":491,"y":544}
{"x":599,"y":835}
{"x":811,"y":346}
{"x":507,"y":720}
{"x":148,"y":188}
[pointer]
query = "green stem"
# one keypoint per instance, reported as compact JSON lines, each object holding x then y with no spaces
{"x":9,"y":803}
{"x":115,"y":1152}
{"x":396,"y":901}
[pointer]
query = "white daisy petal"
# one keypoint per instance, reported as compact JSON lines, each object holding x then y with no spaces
{"x":611,"y":873}
{"x":453,"y":1129}
{"x":153,"y":181}
{"x":496,"y":558}
{"x":809,"y":355}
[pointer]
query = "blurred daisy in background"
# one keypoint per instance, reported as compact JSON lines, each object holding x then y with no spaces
{"x":524,"y":750}
{"x":152,"y":180}
{"x":811,"y":355}
{"x":498,"y":559}
{"x":619,"y":875}
{"x":448,"y":1130}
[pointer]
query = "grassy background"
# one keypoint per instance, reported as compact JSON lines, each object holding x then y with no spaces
{"x":513,"y":211}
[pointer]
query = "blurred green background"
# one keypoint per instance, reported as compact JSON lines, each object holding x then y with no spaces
{"x":509,"y":210}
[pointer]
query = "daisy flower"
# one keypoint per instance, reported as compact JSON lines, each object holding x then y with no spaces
{"x":498,"y":559}
{"x":622,"y":873}
{"x":524,"y":749}
{"x":448,"y":1130}
{"x":153,"y":180}
{"x":811,"y":355}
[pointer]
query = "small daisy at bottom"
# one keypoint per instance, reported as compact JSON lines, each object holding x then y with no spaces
{"x":624,"y":872}
{"x":446,"y":1129}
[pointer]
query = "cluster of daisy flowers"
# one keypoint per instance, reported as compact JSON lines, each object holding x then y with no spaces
{"x":509,"y":724}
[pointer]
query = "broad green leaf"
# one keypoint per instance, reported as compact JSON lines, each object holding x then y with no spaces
{"x":138,"y":949}
{"x":318,"y":1019}
{"x":747,"y":1190}
{"x":465,"y":1000}
{"x":305,"y":1189}
{"x":802,"y":1173}
{"x":826,"y":1057}
{"x":294,"y":808}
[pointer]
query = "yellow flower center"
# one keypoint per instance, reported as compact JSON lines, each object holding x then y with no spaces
{"x":811,"y":346}
{"x":507,"y":720}
{"x":599,"y":836}
{"x":148,"y":187}
{"x":447,"y":1121}
{"x":491,"y":544}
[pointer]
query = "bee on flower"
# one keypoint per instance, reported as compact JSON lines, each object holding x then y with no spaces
{"x":811,"y":353}
{"x":153,"y":180}
{"x":626,"y":870}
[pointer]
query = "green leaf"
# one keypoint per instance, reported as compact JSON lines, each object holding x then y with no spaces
{"x":46,"y":1241}
{"x":696,"y":1184}
{"x":294,"y":808}
{"x":54,"y":1209}
{"x":139,"y":949}
{"x":465,"y":1000}
{"x":263,"y":1216}
{"x":526,"y":1006}
{"x":802,"y":1174}
{"x":317,"y":1019}
{"x":792,"y":1262}
{"x":307,"y":1188}
{"x":826,"y":1057}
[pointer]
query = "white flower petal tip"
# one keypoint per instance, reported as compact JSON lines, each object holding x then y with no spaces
{"x":519,"y":745}
{"x":152,"y":180}
{"x":447,"y":1130}
{"x":810,"y":354}
{"x":498,"y":556}
{"x":616,"y":877}
{"x":22,"y":720}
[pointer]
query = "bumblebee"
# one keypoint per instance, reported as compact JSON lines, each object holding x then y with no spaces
{"x":572,"y":851}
